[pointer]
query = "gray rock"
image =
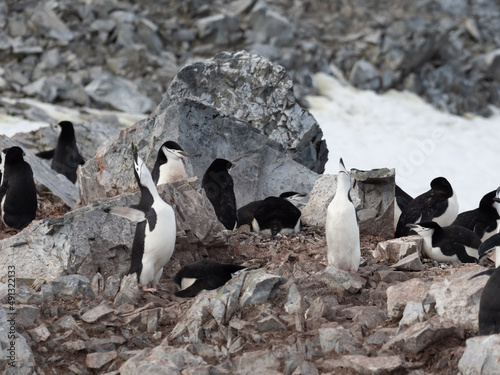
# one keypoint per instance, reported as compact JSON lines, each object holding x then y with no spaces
{"x":294,"y":302}
{"x":98,"y":360}
{"x":396,"y":249}
{"x":267,"y":103}
{"x":339,"y":340}
{"x":45,"y":178}
{"x":49,"y":24}
{"x":410,"y":262}
{"x":190,"y":327}
{"x":27,"y":316}
{"x":40,"y":333}
{"x":481,"y":356}
{"x":111,"y":286}
{"x":261,"y":361}
{"x":365,"y":76}
{"x":129,"y":291}
{"x":68,"y":323}
{"x":219,"y":29}
{"x":323,"y":191}
{"x":422,"y":335}
{"x":365,"y":365}
{"x":258,"y":287}
{"x":399,"y":295}
{"x":72,"y":286}
{"x":97,"y":313}
{"x":342,"y":281}
{"x":161,"y":360}
{"x":119,"y":93}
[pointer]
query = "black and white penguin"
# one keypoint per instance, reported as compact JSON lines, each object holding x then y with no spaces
{"x":65,"y":157}
{"x":169,"y":166}
{"x":489,"y":305}
{"x":154,"y":238}
{"x":491,"y":243}
{"x":18,"y":201}
{"x":342,"y":230}
{"x":219,"y":188}
{"x":484,"y":220}
{"x":276,"y":215}
{"x":206,"y":274}
{"x":439,"y":204}
{"x":446,"y":244}
{"x":401,"y":200}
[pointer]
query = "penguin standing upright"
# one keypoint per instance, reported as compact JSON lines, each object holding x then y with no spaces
{"x":342,"y":230}
{"x":489,"y":305}
{"x":218,"y":186}
{"x":439,"y":204}
{"x":65,"y":157}
{"x":18,"y":201}
{"x":276,"y":215}
{"x":168,"y":166}
{"x":484,"y":220}
{"x":205,"y":274}
{"x":450,"y":243}
{"x":154,"y":238}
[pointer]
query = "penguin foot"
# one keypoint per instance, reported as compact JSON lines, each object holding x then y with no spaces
{"x":146,"y":289}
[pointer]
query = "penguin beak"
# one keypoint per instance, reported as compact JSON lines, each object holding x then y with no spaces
{"x":412,"y":226}
{"x":184,"y":153}
{"x":496,"y":199}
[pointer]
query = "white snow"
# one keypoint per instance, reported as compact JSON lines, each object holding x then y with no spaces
{"x":399,"y":130}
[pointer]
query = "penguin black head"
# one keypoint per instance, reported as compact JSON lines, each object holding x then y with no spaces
{"x":172,"y":149}
{"x":13,"y":155}
{"x":221,"y":165}
{"x":440,"y":186}
{"x":67,"y":129}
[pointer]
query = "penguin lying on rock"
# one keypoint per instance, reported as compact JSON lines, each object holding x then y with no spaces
{"x":205,"y":274}
{"x":276,"y":215}
{"x":450,"y":243}
{"x":154,"y":238}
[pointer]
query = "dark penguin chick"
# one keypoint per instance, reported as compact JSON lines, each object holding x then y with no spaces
{"x":18,"y":201}
{"x":65,"y":157}
{"x":401,"y":200}
{"x":168,"y":166}
{"x":276,"y":215}
{"x":491,"y":243}
{"x":489,"y":305}
{"x":446,"y":244}
{"x":484,"y":220}
{"x":218,"y":186}
{"x":205,"y":274}
{"x":439,"y":204}
{"x":154,"y":238}
{"x":245,"y":214}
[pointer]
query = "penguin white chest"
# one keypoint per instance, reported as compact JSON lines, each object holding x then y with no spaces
{"x":171,"y":171}
{"x":342,"y":234}
{"x":159,"y":243}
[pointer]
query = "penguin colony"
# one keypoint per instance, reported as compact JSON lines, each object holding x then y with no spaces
{"x":467,"y":237}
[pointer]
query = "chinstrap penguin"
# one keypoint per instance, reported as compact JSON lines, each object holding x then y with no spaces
{"x":446,"y":244}
{"x":154,"y":238}
{"x":206,"y":274}
{"x":342,"y":230}
{"x":297,"y":199}
{"x":439,"y":204}
{"x":218,"y":186}
{"x":18,"y":200}
{"x":484,"y":220}
{"x":489,"y":305}
{"x":169,"y":166}
{"x":65,"y":157}
{"x":401,"y":200}
{"x":276,"y":215}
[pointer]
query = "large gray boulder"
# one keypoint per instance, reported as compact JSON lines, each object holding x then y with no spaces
{"x":251,"y":88}
{"x":88,"y":240}
{"x":262,"y":166}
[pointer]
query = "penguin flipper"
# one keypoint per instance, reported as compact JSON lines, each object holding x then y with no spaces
{"x":193,"y":289}
{"x":489,"y":244}
{"x":46,"y":154}
{"x":129,"y":213}
{"x":487,"y":272}
{"x":462,"y":254}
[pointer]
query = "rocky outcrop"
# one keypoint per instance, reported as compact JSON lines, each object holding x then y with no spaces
{"x":262,"y":166}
